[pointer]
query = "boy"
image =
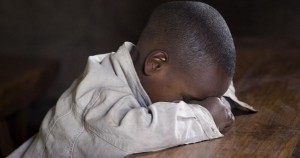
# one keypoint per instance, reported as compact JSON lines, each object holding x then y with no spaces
{"x":163,"y":92}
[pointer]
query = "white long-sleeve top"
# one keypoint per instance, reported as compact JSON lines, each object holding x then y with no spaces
{"x":107,"y":113}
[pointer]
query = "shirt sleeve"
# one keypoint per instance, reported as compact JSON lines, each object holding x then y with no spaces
{"x":230,"y":95}
{"x":161,"y":125}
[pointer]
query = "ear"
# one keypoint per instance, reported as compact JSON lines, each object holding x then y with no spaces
{"x":155,"y":62}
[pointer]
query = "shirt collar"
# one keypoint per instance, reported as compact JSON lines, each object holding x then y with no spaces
{"x":123,"y":58}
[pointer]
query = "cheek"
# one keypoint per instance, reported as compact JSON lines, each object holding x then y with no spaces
{"x":167,"y":89}
{"x":169,"y":93}
{"x":159,"y":93}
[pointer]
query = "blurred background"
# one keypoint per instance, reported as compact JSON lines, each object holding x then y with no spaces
{"x":44,"y":46}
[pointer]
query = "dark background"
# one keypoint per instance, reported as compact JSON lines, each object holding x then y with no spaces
{"x":70,"y":31}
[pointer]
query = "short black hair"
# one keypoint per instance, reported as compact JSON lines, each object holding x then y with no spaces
{"x":191,"y":31}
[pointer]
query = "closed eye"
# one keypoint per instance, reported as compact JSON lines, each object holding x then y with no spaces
{"x":192,"y":99}
{"x":186,"y":99}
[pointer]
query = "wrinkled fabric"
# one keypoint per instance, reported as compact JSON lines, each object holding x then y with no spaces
{"x":107,"y":113}
{"x":230,"y":94}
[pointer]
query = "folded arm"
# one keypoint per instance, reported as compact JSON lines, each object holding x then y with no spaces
{"x":162,"y":125}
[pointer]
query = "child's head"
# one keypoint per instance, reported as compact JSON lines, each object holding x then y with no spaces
{"x":185,"y":51}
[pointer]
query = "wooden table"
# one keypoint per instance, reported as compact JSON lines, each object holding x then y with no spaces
{"x":267,"y":77}
{"x":23,"y":79}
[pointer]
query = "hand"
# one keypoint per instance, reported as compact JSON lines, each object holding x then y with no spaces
{"x":220,"y":110}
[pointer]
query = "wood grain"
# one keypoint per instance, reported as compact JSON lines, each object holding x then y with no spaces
{"x":267,"y":77}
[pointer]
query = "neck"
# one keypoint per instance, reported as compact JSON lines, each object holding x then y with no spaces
{"x":135,"y":55}
{"x":138,"y":65}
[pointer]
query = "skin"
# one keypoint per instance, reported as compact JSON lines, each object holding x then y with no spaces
{"x":220,"y":110}
{"x":164,"y":83}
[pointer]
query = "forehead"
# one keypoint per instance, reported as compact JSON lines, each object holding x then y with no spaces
{"x":208,"y":81}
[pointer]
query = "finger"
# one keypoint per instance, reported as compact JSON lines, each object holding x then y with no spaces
{"x":230,"y":114}
{"x":225,"y":102}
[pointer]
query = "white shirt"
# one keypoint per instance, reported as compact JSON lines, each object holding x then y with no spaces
{"x":107,"y":113}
